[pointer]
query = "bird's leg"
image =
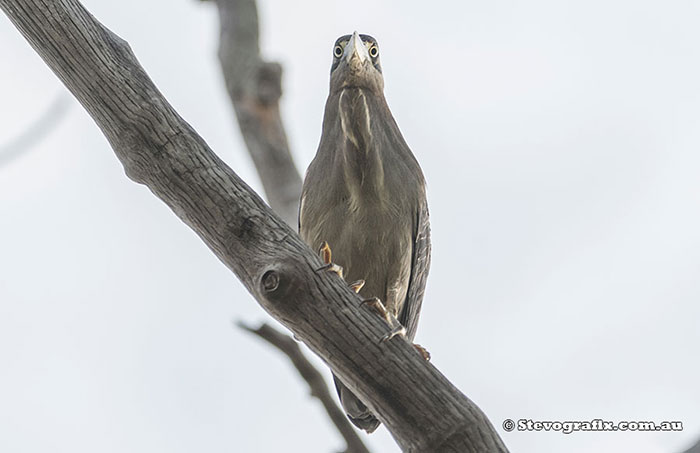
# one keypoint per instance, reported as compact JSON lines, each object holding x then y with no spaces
{"x":326,"y":256}
{"x":328,"y":265}
{"x":396,"y":328}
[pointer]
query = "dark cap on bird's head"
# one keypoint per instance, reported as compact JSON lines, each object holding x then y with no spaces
{"x":356,"y":63}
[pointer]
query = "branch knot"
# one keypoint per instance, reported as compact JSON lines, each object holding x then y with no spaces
{"x":270,"y":281}
{"x":269,"y":79}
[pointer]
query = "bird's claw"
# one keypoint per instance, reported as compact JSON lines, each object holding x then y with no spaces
{"x":328,"y":265}
{"x":357,"y":285}
{"x":331,"y":267}
{"x":422,"y":351}
{"x":325,"y":252}
{"x":375,"y":304}
{"x":396,"y":328}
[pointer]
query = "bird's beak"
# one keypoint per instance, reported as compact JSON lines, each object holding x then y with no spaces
{"x":355,"y":51}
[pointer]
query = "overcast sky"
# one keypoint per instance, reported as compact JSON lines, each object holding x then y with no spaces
{"x":561,"y":145}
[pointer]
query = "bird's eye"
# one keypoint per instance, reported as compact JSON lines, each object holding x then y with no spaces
{"x":338,"y":51}
{"x":373,"y":51}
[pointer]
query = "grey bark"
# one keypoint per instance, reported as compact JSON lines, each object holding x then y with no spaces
{"x":694,"y":449}
{"x":423,"y":411}
{"x":255,"y":88}
{"x":318,"y":386}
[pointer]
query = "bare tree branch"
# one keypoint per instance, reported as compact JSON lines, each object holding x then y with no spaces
{"x":255,"y":88}
{"x":36,"y":131}
{"x":694,"y":449}
{"x":420,"y":407}
{"x":317,"y":384}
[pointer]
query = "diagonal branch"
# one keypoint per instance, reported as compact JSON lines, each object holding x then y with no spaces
{"x":420,"y":407}
{"x":255,"y":88}
{"x":317,"y":384}
{"x":36,"y":132}
{"x":694,"y":449}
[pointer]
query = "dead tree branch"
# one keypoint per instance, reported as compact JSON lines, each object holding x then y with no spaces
{"x":694,"y":449}
{"x":36,"y":131}
{"x":318,"y":386}
{"x":255,"y":88}
{"x":420,"y":407}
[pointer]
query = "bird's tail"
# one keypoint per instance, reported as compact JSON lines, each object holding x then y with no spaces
{"x":355,"y":409}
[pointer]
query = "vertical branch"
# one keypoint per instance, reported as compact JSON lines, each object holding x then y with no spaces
{"x":255,"y":88}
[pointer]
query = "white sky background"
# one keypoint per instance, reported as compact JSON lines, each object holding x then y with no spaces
{"x":560,"y":142}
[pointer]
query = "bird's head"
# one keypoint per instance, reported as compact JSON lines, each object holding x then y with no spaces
{"x":356,"y":64}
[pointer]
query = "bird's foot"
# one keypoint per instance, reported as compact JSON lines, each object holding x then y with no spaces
{"x":422,"y":351}
{"x":376,"y":304}
{"x":328,"y":265}
{"x":357,"y":285}
{"x":396,"y":328}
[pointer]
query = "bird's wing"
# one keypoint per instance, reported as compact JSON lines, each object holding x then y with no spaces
{"x":420,"y":264}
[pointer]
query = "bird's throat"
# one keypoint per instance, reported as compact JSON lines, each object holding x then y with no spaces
{"x":355,"y":118}
{"x":361,"y":161}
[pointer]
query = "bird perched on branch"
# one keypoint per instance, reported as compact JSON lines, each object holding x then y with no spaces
{"x":364,"y":199}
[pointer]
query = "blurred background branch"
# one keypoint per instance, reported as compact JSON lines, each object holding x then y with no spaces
{"x":318,"y":386}
{"x":37,"y":131}
{"x":255,"y":88}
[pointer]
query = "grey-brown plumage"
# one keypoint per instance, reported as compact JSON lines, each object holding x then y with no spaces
{"x":364,"y":194}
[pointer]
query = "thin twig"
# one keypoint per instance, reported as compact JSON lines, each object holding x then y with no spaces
{"x":37,"y":131}
{"x":318,"y":386}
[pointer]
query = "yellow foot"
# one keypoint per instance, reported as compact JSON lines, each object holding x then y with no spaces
{"x":422,"y":351}
{"x":328,"y":265}
{"x":378,"y":307}
{"x":397,"y":330}
{"x":357,"y":285}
